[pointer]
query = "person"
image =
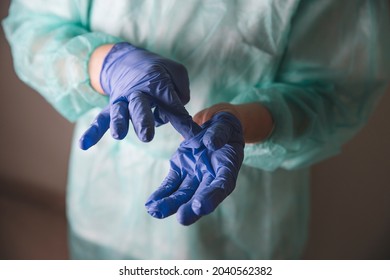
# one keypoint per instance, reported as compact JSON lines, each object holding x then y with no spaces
{"x":294,"y":80}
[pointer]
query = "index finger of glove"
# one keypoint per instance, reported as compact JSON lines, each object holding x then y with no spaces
{"x":179,"y":76}
{"x":97,"y":129}
{"x":174,"y":110}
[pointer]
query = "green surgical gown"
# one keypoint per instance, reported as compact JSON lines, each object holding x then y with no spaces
{"x":319,"y":66}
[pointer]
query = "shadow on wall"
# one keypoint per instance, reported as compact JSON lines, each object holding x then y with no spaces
{"x":350,"y":193}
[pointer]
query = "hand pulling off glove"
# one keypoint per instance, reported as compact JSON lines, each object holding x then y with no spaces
{"x":203,"y":171}
{"x":138,"y":81}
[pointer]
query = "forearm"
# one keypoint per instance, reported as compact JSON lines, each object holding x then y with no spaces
{"x":255,"y":119}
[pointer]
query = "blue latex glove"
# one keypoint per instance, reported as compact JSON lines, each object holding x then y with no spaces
{"x":203,"y":171}
{"x":137,"y":81}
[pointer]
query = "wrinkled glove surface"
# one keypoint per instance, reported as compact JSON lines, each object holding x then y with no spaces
{"x":203,"y":171}
{"x":145,"y":88}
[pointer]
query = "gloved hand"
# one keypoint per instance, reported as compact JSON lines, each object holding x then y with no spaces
{"x":138,"y":81}
{"x":203,"y":171}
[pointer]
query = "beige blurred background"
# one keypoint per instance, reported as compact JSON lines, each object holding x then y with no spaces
{"x":350,"y":217}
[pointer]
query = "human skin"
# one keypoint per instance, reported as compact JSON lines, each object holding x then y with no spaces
{"x":255,"y":118}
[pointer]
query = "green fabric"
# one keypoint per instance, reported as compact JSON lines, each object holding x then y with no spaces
{"x":319,"y":66}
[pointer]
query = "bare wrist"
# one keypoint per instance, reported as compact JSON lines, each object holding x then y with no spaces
{"x":256,"y":120}
{"x":95,"y":65}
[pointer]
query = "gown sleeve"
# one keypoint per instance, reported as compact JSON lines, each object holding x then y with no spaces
{"x":51,"y":44}
{"x":335,"y":67}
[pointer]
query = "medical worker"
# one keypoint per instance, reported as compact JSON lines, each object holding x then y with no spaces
{"x":276,"y":86}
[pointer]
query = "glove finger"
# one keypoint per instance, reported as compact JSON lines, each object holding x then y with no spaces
{"x":96,"y":131}
{"x":179,"y":75}
{"x":182,"y":122}
{"x":141,"y":116}
{"x":171,"y":106}
{"x":119,"y":124}
{"x":171,"y":182}
{"x":169,"y":205}
{"x":159,"y":118}
{"x":217,"y":135}
{"x":213,"y":193}
{"x":185,"y":215}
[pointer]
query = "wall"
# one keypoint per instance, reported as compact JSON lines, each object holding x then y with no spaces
{"x":350,"y":193}
{"x":34,"y":149}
